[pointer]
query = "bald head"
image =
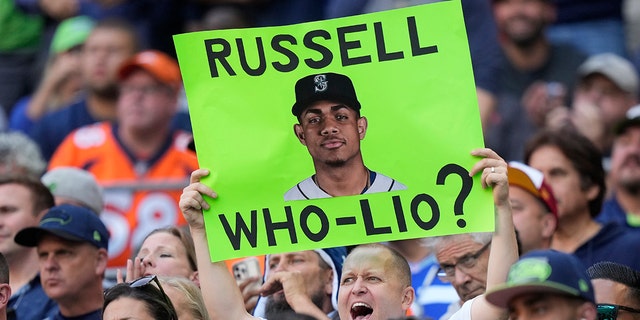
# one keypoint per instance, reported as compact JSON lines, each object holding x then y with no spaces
{"x":397,"y":264}
{"x":375,"y":284}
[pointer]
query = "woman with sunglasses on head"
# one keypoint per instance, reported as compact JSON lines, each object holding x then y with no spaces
{"x":140,"y":299}
{"x":169,"y":253}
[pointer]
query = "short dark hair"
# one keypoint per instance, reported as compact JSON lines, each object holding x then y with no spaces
{"x":41,"y":196}
{"x":618,"y":273}
{"x":583,"y":155}
{"x":123,"y":26}
{"x":4,"y":269}
{"x":150,"y":295}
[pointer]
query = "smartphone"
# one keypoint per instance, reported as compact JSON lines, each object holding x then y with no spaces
{"x":246,"y":268}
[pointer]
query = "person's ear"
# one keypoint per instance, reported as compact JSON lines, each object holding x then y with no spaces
{"x":362,"y":127}
{"x":408,"y":295}
{"x":5,"y":294}
{"x":195,"y":278}
{"x":328,"y":283}
{"x":101,"y":261}
{"x":548,"y":225}
{"x":297,"y":129}
{"x":592,"y":191}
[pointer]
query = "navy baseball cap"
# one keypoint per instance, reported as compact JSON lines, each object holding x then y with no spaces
{"x":544,"y":271}
{"x":68,"y":222}
{"x":324,"y":86}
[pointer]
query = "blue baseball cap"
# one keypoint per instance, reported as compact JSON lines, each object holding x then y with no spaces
{"x":544,"y":271}
{"x":68,"y":222}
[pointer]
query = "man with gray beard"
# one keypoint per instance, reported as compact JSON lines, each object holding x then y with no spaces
{"x":312,"y":273}
{"x":623,"y":206}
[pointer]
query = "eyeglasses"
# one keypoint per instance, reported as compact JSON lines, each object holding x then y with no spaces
{"x":610,"y":311}
{"x":466,"y":264}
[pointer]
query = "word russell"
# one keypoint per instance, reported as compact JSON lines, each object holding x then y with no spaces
{"x":221,"y":52}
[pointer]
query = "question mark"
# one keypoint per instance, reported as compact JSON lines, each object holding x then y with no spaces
{"x":467,"y":183}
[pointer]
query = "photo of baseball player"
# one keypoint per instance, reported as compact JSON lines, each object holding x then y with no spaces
{"x":331,"y":127}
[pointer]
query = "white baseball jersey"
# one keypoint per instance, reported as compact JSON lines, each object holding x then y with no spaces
{"x":308,"y":189}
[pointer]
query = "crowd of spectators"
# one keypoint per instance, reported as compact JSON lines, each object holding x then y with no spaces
{"x":95,"y":136}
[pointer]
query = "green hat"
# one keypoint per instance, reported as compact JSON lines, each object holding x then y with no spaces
{"x":544,"y":271}
{"x":70,"y":33}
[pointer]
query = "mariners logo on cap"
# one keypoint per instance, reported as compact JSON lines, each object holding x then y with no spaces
{"x":320,"y":82}
{"x":528,"y":270}
{"x":64,"y":219}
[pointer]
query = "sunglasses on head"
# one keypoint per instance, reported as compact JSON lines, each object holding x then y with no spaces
{"x":141,"y":282}
{"x":144,"y":281}
{"x":610,"y":311}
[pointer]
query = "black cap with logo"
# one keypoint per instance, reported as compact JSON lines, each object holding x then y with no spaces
{"x":324,"y":86}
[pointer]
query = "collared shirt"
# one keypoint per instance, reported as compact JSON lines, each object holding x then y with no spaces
{"x":31,"y":302}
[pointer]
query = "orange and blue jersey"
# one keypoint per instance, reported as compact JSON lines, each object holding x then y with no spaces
{"x":140,"y":195}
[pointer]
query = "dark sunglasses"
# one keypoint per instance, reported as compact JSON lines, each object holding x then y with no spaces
{"x":610,"y":311}
{"x":141,"y":282}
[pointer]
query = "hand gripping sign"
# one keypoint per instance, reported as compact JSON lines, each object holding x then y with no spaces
{"x":284,"y":117}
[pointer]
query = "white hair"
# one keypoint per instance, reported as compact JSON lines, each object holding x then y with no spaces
{"x":18,"y":153}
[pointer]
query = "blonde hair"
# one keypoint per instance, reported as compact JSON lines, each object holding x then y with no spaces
{"x":191,"y":293}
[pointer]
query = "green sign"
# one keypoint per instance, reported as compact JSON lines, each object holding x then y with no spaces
{"x":412,"y":73}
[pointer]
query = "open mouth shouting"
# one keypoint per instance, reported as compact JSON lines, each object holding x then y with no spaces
{"x":361,"y":311}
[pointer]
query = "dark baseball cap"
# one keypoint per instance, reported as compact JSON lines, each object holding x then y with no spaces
{"x":631,"y":118}
{"x":544,"y":271}
{"x":68,"y":222}
{"x":324,"y":86}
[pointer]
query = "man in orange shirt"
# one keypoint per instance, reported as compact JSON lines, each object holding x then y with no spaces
{"x":140,"y":161}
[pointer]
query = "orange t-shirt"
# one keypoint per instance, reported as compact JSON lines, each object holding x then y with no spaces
{"x":139,"y":196}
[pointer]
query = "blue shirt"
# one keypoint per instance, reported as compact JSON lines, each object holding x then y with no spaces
{"x":612,"y":243}
{"x":49,"y":132}
{"x":30,"y":302}
{"x":18,"y":119}
{"x":93,"y":315}
{"x":433,"y":296}
{"x":612,"y":211}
